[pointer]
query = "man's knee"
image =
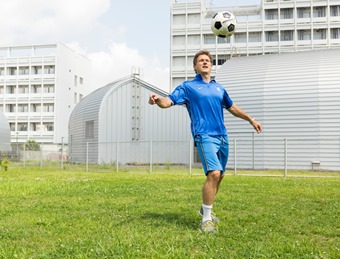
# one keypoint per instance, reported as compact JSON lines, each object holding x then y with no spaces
{"x":214,"y":175}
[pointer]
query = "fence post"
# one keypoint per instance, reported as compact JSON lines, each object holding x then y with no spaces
{"x":253,"y":149}
{"x":285,"y":157}
{"x":234,"y":157}
{"x":150,"y":156}
{"x":62,"y":154}
{"x":117,"y":168}
{"x":24,"y":154}
{"x":87,"y":157}
{"x":190,"y":156}
{"x":41,"y":154}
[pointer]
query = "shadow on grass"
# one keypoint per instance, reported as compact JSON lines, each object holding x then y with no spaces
{"x":171,"y":218}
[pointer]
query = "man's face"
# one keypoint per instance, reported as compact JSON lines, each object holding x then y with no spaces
{"x":203,"y":65}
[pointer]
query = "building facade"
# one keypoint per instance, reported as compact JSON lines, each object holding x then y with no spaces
{"x":39,"y":87}
{"x":274,"y":26}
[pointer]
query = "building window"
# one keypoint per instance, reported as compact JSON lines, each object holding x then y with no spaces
{"x":12,"y":126}
{"x":179,"y":40}
{"x":209,"y":39}
{"x":303,"y":12}
{"x":335,"y":10}
{"x":23,"y":89}
{"x":240,"y":37}
{"x":2,"y":91}
{"x":48,"y":107}
{"x":286,"y":13}
{"x":22,"y":108}
{"x":178,"y":61}
{"x":255,"y":37}
{"x":47,"y":126}
{"x":194,"y":39}
{"x":1,"y":107}
{"x":222,"y":61}
{"x":49,"y":88}
{"x":335,"y":33}
{"x":81,"y":80}
{"x":2,"y":71}
{"x":22,"y":126}
{"x":89,"y":130}
{"x":271,"y":14}
{"x":194,"y":18}
{"x":178,"y":19}
{"x":37,"y":70}
{"x":319,"y":11}
{"x":319,"y":34}
{"x":35,"y":89}
{"x":223,"y":40}
{"x":36,"y":107}
{"x":48,"y":70}
{"x":304,"y":35}
{"x":24,"y":70}
{"x":189,"y":61}
{"x":75,"y":80}
{"x":80,"y":97}
{"x":12,"y":71}
{"x":10,"y":89}
{"x":287,"y":35}
{"x":35,"y":126}
{"x":272,"y":36}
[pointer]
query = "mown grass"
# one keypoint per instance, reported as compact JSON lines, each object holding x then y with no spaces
{"x":66,"y":214}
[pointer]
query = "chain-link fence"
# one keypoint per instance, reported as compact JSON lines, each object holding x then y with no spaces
{"x":273,"y":156}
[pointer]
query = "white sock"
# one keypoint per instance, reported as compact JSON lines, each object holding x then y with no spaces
{"x":206,"y":212}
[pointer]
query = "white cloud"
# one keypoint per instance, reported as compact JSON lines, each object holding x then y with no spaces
{"x":48,"y":21}
{"x":71,"y":21}
{"x":120,"y":60}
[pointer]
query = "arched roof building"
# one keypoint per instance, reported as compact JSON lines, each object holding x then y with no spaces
{"x":296,"y":96}
{"x":117,"y":119}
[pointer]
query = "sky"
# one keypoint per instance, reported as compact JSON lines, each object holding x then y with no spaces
{"x":115,"y":35}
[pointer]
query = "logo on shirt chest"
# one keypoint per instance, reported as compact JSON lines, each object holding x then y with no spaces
{"x":201,"y":87}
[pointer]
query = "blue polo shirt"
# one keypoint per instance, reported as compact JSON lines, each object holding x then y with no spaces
{"x":205,"y":103}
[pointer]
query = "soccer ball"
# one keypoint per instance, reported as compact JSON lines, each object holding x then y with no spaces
{"x":223,"y":24}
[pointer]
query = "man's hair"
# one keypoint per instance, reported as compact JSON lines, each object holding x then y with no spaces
{"x":202,"y":52}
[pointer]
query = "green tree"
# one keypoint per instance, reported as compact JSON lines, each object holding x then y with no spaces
{"x":31,"y":145}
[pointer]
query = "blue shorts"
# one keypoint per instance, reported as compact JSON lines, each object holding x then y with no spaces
{"x":214,"y":151}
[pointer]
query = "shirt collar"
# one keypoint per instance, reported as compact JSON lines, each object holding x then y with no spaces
{"x":198,"y":77}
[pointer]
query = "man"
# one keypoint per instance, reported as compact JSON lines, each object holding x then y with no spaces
{"x":205,"y":99}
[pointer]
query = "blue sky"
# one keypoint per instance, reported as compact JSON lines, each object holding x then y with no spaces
{"x":115,"y":35}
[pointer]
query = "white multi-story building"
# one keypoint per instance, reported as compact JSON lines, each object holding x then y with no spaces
{"x":39,"y":87}
{"x":274,"y":26}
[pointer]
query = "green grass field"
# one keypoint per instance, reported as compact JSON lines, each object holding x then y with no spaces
{"x":65,"y":214}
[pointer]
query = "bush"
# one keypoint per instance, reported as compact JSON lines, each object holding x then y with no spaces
{"x":4,"y":162}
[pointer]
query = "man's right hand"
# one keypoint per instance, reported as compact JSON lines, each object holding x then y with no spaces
{"x":153,"y":98}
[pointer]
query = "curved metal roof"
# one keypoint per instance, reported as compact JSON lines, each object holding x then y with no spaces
{"x":91,"y":104}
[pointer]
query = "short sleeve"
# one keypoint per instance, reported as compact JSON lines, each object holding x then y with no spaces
{"x":179,"y":95}
{"x":227,"y":102}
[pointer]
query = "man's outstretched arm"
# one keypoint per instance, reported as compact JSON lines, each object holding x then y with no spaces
{"x":238,"y":112}
{"x":162,"y":102}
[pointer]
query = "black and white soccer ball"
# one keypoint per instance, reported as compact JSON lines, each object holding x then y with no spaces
{"x":224,"y":24}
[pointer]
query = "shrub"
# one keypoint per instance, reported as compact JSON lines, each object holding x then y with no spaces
{"x":4,"y":162}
